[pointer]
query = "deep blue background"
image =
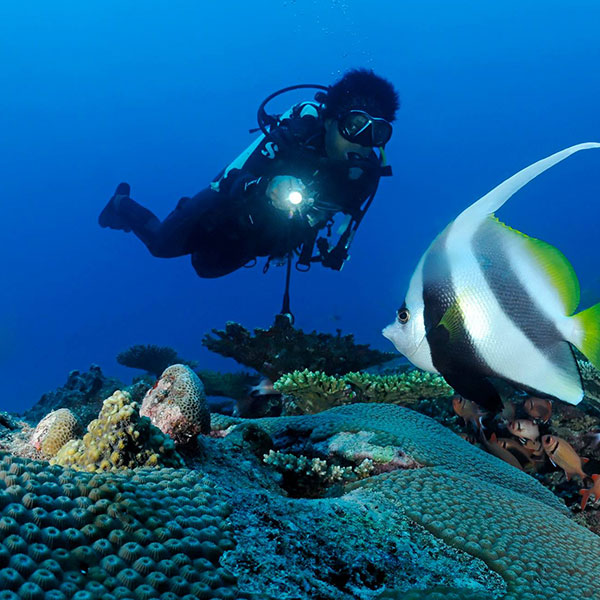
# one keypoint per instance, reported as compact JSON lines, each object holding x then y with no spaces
{"x":161,"y":94}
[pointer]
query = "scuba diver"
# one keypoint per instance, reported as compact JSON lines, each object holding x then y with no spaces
{"x":310,"y":163}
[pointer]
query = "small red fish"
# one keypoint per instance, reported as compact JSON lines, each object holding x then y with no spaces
{"x":539,"y":409}
{"x":563,"y":455}
{"x":512,"y":444}
{"x":496,"y":449}
{"x":535,"y":447}
{"x":469,"y":411}
{"x":524,"y":429}
{"x":592,"y":491}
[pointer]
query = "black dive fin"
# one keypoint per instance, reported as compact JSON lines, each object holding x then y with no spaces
{"x":477,"y":389}
{"x":110,"y":215}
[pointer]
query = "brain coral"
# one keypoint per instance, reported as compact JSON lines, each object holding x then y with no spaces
{"x":119,"y":439}
{"x":470,"y":501}
{"x":152,"y":533}
{"x":54,"y":431}
{"x":177,"y":404}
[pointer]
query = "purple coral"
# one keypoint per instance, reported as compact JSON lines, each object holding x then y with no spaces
{"x":177,"y":404}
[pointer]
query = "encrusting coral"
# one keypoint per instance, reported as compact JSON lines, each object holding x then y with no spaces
{"x":152,"y":533}
{"x":313,"y":392}
{"x":119,"y":439}
{"x":54,"y":431}
{"x":283,"y":348}
{"x":177,"y":404}
{"x":464,"y":498}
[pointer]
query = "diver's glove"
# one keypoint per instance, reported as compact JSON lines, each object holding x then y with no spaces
{"x":286,"y":192}
{"x":110,"y":216}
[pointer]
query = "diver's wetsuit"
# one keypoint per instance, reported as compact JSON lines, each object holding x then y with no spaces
{"x":232,"y":221}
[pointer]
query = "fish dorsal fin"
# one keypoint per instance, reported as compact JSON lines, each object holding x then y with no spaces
{"x":552,"y":261}
{"x":494,"y":199}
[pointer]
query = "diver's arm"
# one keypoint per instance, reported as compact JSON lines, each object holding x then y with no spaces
{"x":249,"y":174}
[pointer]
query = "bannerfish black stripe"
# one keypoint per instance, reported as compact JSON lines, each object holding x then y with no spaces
{"x":515,"y":300}
{"x":438,"y":296}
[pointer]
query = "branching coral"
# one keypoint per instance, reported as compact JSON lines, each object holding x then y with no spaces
{"x":317,"y":469}
{"x":119,"y":439}
{"x":151,"y":358}
{"x":314,"y":392}
{"x":283,"y":348}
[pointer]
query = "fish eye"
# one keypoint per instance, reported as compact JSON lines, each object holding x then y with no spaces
{"x":403,"y":315}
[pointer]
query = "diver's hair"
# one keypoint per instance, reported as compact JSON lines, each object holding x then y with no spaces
{"x":362,"y":89}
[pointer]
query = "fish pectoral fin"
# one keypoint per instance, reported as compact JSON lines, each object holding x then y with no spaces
{"x":477,"y":389}
{"x":452,"y":321}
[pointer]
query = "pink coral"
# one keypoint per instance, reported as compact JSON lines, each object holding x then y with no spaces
{"x":177,"y":404}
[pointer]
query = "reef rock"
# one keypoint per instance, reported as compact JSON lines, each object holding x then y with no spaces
{"x":177,"y":405}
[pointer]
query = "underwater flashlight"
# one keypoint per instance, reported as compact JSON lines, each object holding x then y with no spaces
{"x":295,"y":197}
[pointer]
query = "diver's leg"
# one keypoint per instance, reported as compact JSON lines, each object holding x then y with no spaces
{"x":215,"y":261}
{"x":176,"y":235}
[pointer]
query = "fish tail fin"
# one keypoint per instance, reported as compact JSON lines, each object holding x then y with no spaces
{"x":585,"y":495}
{"x":588,"y":333}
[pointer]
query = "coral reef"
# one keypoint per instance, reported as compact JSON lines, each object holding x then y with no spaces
{"x":155,"y":533}
{"x":231,"y":385}
{"x":119,"y":439}
{"x":395,"y":506}
{"x":591,"y":383}
{"x":54,"y":431}
{"x":447,"y":519}
{"x":177,"y":405}
{"x":151,"y":358}
{"x":310,"y":392}
{"x":82,"y":394}
{"x":283,"y":349}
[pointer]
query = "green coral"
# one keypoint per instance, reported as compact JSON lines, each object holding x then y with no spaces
{"x":311,"y":392}
{"x":152,"y":533}
{"x":119,"y":439}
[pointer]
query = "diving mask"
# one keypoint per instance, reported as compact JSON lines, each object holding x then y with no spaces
{"x":359,"y":127}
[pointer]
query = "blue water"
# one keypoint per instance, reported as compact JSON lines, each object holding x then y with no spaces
{"x":161,"y":94}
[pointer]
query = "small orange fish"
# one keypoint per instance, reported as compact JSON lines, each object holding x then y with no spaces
{"x":496,"y":449}
{"x":593,"y":491}
{"x":512,"y":444}
{"x":535,"y":447}
{"x":469,"y":411}
{"x":563,"y":455}
{"x":524,"y":429}
{"x":538,"y":408}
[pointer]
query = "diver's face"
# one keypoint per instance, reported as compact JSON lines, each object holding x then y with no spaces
{"x":338,"y":147}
